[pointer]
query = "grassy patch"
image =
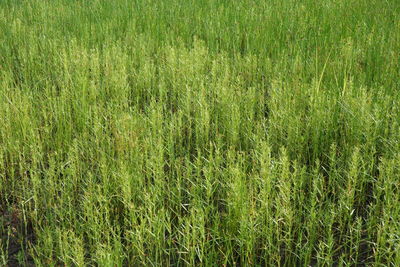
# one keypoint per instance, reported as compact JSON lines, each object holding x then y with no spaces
{"x":199,"y":133}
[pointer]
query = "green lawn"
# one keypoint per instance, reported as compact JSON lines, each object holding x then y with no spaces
{"x":199,"y":133}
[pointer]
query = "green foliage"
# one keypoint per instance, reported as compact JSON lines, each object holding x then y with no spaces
{"x":200,"y":133}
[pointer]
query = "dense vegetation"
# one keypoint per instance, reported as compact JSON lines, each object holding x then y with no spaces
{"x":199,"y":132}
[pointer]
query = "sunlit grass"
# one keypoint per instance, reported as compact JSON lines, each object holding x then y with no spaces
{"x":199,"y":133}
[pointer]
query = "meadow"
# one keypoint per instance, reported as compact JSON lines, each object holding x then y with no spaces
{"x":199,"y":133}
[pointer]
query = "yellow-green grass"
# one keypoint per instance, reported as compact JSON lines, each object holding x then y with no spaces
{"x":200,"y":133}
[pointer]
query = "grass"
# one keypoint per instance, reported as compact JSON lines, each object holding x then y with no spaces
{"x":200,"y":133}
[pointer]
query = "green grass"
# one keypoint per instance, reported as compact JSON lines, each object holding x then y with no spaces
{"x":200,"y":133}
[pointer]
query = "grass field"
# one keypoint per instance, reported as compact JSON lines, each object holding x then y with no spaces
{"x":200,"y":133}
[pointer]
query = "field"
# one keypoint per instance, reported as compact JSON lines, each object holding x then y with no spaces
{"x":199,"y":133}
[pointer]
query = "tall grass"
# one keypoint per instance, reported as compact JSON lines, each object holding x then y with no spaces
{"x":200,"y":133}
